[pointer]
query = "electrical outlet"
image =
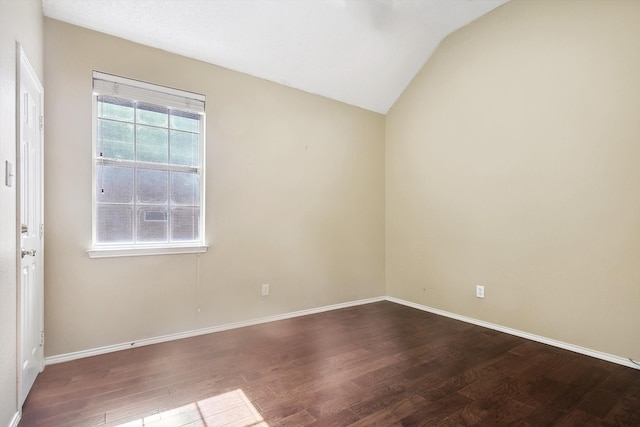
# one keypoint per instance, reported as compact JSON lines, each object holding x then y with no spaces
{"x":480,"y":291}
{"x":265,"y":289}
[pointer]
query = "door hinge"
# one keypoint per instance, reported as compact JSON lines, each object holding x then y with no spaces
{"x":42,"y":339}
{"x":41,"y":122}
{"x":41,"y":231}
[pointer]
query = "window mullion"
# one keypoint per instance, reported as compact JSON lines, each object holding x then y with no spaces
{"x":135,"y":173}
{"x":169,"y":216}
{"x":147,"y":165}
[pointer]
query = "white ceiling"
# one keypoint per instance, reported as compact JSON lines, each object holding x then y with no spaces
{"x":361,"y":52}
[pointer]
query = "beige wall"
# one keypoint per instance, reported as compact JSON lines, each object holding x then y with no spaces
{"x":20,"y":21}
{"x":295,"y":198}
{"x":512,"y":161}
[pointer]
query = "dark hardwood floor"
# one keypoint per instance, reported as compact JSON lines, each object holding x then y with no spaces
{"x":380,"y":364}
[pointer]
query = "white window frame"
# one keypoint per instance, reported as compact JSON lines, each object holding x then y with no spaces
{"x":134,"y":90}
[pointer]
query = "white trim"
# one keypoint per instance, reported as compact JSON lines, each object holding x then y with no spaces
{"x":16,"y":420}
{"x":560,"y":344}
{"x":107,"y":252}
{"x":117,"y":347}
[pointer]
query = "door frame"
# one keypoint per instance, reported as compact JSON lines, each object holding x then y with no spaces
{"x":22,"y":61}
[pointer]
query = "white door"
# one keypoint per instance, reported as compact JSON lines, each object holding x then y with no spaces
{"x":30,"y":220}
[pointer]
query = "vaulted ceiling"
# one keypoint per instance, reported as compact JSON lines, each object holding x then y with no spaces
{"x":361,"y":52}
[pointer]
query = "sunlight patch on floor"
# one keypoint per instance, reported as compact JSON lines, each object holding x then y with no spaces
{"x":231,"y":409}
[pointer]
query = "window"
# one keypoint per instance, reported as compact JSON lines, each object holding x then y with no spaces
{"x":148,"y":145}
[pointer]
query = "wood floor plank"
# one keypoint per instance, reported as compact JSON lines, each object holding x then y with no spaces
{"x":434,"y":411}
{"x":491,"y":411}
{"x":376,"y":364}
{"x":394,"y":411}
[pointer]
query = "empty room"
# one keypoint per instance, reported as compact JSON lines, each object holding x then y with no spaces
{"x":319,"y":213}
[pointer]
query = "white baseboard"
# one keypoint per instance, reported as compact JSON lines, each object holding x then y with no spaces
{"x":148,"y":341}
{"x":522,"y":334}
{"x":16,"y":420}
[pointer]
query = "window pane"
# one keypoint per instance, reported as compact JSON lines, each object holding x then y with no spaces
{"x":185,"y":121}
{"x":152,"y":186}
{"x":115,"y":108}
{"x":114,"y":184}
{"x":114,"y":223}
{"x":152,"y":224}
{"x":149,"y":114}
{"x":185,"y":224}
{"x":152,"y":144}
{"x":184,"y":148}
{"x":115,"y":140}
{"x":185,"y":188}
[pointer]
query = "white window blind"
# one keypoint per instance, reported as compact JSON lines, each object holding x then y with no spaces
{"x":148,"y":166}
{"x":120,"y":87}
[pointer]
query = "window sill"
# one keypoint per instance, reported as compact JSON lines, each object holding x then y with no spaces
{"x":110,"y":252}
